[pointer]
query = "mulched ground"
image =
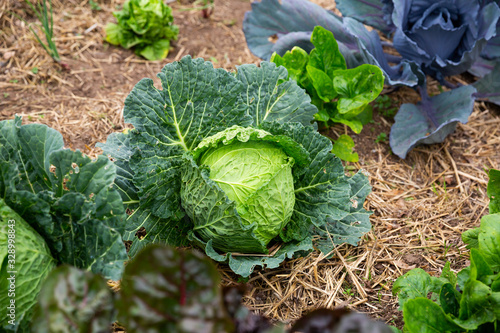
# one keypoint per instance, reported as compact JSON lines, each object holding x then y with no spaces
{"x":421,"y":205}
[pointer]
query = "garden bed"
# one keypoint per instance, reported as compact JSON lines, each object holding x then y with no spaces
{"x":421,"y":204}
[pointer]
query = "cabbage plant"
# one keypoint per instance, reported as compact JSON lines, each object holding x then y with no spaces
{"x":56,"y":207}
{"x":231,"y":163}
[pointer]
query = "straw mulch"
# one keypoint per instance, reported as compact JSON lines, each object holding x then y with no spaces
{"x":421,"y":205}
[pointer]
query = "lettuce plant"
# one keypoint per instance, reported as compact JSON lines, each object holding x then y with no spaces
{"x":231,"y":163}
{"x":340,"y":94}
{"x":433,"y":38}
{"x":145,"y":25}
{"x":467,"y":301}
{"x":60,"y":207}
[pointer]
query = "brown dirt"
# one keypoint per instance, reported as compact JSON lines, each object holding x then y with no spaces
{"x":421,"y":205}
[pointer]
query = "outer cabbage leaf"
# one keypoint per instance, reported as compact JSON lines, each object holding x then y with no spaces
{"x":351,"y":228}
{"x":65,"y":196}
{"x":324,"y":196}
{"x":488,"y":87}
{"x":431,"y":120}
{"x":371,"y":12}
{"x":269,"y":96}
{"x":244,"y":265}
{"x":33,"y":262}
{"x":148,"y":228}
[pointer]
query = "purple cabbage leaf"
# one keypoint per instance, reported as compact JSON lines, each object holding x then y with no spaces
{"x":431,"y":120}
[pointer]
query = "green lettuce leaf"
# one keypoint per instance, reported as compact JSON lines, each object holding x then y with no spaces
{"x":145,"y":25}
{"x":493,"y":191}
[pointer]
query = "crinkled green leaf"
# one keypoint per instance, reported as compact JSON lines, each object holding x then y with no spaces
{"x":214,"y":216}
{"x":269,"y":96}
{"x":352,"y":227}
{"x":493,"y":191}
{"x":146,"y":25}
{"x":343,"y":147}
{"x":165,"y":290}
{"x":65,"y":196}
{"x":25,"y":261}
{"x":244,"y":265}
{"x":73,"y":300}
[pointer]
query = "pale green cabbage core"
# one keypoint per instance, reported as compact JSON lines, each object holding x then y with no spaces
{"x":257,"y":176}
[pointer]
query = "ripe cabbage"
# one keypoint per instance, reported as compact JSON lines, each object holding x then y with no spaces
{"x":231,"y":163}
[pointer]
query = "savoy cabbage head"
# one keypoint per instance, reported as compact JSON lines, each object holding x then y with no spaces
{"x":231,"y":163}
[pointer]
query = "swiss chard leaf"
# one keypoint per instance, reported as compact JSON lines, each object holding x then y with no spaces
{"x":74,"y":300}
{"x":431,"y":120}
{"x":180,"y":286}
{"x":342,"y":148}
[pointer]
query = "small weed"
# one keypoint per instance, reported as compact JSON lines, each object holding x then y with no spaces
{"x":381,"y":138}
{"x":94,"y":5}
{"x":348,"y":291}
{"x":214,"y":60}
{"x":5,"y":95}
{"x":384,"y":105}
{"x":34,"y":70}
{"x":14,"y":81}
